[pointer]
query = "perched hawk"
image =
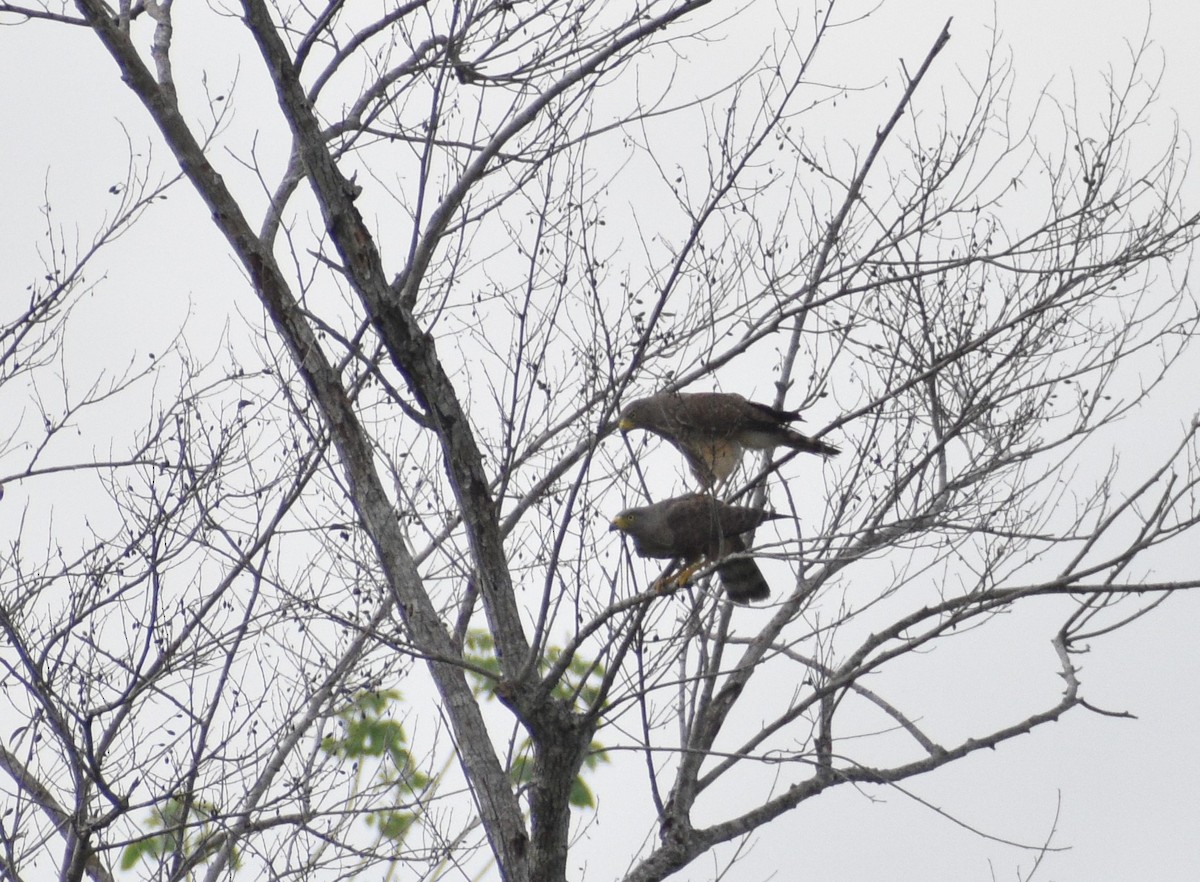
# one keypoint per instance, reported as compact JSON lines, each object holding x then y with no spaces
{"x":711,"y":429}
{"x":694,"y":527}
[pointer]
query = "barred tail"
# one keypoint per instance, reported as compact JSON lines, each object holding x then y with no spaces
{"x":796,"y":441}
{"x":743,"y":580}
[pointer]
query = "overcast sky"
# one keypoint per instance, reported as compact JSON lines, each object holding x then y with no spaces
{"x":1129,"y":790}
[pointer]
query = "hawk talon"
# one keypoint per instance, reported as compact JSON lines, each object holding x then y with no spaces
{"x":685,"y":575}
{"x":664,"y":586}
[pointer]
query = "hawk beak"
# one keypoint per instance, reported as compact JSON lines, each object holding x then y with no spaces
{"x":620,"y":522}
{"x":626,"y":424}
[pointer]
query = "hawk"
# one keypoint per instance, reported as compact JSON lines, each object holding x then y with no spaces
{"x":694,"y":527}
{"x":711,"y":429}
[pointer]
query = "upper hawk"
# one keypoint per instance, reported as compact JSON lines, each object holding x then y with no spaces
{"x":711,"y":429}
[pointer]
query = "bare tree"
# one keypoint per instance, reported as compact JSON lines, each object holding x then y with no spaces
{"x":346,"y":597}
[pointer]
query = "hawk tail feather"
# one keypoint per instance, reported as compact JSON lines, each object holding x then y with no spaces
{"x":796,"y":441}
{"x":743,"y":580}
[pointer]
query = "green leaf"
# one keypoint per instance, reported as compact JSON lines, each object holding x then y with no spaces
{"x":581,"y":794}
{"x":151,"y":847}
{"x":597,"y":753}
{"x":394,"y":825}
{"x":171,"y":816}
{"x":579,"y":683}
{"x":369,"y":733}
{"x":522,"y":770}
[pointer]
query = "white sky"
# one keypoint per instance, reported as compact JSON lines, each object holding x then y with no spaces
{"x":1130,"y":790}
